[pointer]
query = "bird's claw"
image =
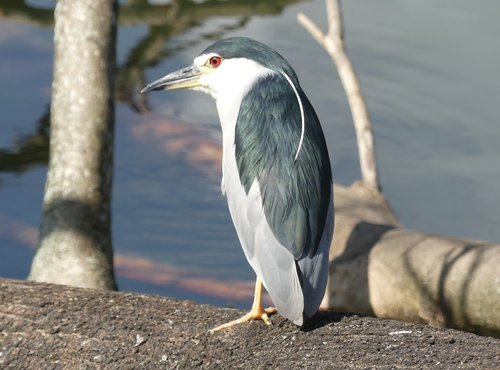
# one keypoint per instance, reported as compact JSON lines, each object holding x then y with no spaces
{"x":259,"y":314}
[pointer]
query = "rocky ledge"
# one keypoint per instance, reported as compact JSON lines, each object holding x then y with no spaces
{"x":46,"y":326}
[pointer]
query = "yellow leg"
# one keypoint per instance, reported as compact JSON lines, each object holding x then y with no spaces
{"x":257,"y":313}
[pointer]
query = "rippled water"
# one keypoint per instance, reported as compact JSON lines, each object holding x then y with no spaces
{"x":429,"y":71}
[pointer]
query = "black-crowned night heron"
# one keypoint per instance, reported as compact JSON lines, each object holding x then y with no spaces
{"x":275,"y":171}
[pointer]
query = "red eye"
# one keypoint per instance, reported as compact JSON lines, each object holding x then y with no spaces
{"x":215,"y":61}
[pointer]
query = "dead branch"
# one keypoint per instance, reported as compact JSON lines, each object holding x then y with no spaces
{"x":333,"y":43}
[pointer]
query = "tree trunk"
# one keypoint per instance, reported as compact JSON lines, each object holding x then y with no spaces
{"x":379,"y":268}
{"x":75,"y":234}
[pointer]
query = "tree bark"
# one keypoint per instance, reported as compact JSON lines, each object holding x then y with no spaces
{"x":75,"y":234}
{"x":379,"y":268}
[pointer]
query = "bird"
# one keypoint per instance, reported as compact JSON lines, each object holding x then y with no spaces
{"x":276,"y":172}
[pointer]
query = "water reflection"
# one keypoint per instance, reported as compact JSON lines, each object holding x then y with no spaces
{"x":163,"y":21}
{"x":156,"y":24}
{"x":29,"y":150}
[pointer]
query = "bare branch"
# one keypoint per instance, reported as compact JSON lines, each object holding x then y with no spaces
{"x":311,"y":27}
{"x":335,"y":28}
{"x":334,"y":46}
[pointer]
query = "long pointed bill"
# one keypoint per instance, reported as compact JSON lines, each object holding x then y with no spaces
{"x":181,"y":79}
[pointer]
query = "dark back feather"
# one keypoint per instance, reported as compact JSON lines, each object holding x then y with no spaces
{"x":295,"y":193}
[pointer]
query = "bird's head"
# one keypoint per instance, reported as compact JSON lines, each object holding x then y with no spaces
{"x":229,"y":66}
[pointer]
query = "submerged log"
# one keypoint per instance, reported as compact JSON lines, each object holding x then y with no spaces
{"x":47,"y":326}
{"x":379,"y":268}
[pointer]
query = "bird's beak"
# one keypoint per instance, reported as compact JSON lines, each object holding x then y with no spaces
{"x":184,"y":78}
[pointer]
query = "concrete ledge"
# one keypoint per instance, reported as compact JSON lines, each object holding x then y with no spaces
{"x":51,"y":326}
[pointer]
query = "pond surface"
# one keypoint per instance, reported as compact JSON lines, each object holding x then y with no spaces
{"x":429,"y":72}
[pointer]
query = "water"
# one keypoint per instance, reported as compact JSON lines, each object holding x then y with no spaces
{"x":429,"y":72}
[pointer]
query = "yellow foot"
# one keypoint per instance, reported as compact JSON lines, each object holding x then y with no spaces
{"x":260,"y":314}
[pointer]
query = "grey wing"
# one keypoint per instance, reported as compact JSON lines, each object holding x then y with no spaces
{"x":293,"y":291}
{"x":314,"y":269}
{"x":271,"y":261}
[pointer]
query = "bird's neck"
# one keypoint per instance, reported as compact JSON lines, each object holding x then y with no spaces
{"x":228,"y":108}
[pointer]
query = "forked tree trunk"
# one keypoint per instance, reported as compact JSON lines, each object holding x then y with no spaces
{"x":75,"y":234}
